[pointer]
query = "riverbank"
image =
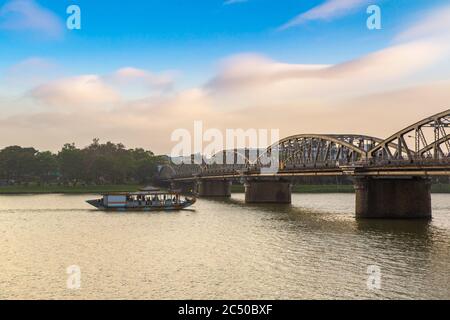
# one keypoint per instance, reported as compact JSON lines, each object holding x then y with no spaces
{"x":48,"y":189}
{"x":309,"y":188}
{"x":435,"y":188}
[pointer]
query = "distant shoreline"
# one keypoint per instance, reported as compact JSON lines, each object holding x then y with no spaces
{"x":54,"y":189}
{"x":332,"y":188}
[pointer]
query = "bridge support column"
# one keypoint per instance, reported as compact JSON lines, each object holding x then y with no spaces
{"x":393,"y":198}
{"x":267,"y":192}
{"x":214,"y":188}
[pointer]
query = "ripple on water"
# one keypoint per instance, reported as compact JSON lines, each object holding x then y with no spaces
{"x":220,"y":249}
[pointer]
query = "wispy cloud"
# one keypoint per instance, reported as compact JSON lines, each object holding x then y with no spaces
{"x":79,"y":91}
{"x":29,"y":72}
{"x":27,"y":15}
{"x":149,"y":80}
{"x":93,"y":90}
{"x":228,"y":2}
{"x":241,"y":78}
{"x":328,"y":10}
{"x":258,"y":73}
{"x":435,"y":23}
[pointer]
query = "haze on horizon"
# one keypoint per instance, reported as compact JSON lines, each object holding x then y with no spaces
{"x":135,"y":74}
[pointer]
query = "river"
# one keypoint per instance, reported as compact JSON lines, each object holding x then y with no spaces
{"x":220,"y":249}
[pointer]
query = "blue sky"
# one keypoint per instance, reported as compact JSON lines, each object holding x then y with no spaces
{"x":191,"y":36}
{"x":149,"y":67}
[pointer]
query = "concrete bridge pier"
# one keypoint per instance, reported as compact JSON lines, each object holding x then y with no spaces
{"x":393,"y":198}
{"x":214,"y":188}
{"x":258,"y":191}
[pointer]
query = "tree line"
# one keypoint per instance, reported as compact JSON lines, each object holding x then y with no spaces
{"x":98,"y":163}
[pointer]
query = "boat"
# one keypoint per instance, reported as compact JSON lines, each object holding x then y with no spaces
{"x":143,"y":201}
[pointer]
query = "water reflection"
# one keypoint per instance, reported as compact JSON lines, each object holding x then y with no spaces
{"x":421,"y":228}
{"x":220,"y":248}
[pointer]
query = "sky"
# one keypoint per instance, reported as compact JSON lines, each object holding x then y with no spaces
{"x":137,"y":71}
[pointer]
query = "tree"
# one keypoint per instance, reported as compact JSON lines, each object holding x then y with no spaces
{"x":99,"y":163}
{"x":17,"y":163}
{"x":46,"y":166}
{"x":71,"y":165}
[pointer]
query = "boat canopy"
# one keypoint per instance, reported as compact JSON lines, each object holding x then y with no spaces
{"x":150,"y":189}
{"x":139,"y":193}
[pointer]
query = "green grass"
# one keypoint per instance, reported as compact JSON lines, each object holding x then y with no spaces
{"x":310,"y":188}
{"x":43,"y":189}
{"x":35,"y":189}
{"x":435,"y":188}
{"x":440,"y":188}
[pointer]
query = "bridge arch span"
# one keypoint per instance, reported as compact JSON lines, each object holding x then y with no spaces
{"x":319,"y":150}
{"x":426,"y":139}
{"x":183,"y":170}
{"x":230,"y":157}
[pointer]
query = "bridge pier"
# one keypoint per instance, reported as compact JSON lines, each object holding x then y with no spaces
{"x":393,"y":198}
{"x":214,"y":188}
{"x":257,"y":191}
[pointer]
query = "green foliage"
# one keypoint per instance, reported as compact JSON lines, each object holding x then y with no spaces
{"x":96,"y":164}
{"x":54,"y":188}
{"x":46,"y":166}
{"x":71,"y":163}
{"x":17,"y":163}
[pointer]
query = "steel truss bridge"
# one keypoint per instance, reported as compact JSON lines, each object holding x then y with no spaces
{"x":421,"y":149}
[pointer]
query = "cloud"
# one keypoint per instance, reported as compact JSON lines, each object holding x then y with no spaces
{"x":420,"y":58}
{"x":387,"y":68}
{"x":27,"y":15}
{"x":93,"y":90}
{"x":137,"y":123}
{"x":79,"y":91}
{"x":150,"y":122}
{"x":251,"y":69}
{"x":435,"y":23}
{"x":134,"y":76}
{"x":30,"y":72}
{"x":228,"y":2}
{"x":330,"y":9}
{"x":31,"y":63}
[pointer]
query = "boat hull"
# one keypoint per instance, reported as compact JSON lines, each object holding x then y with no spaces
{"x":99,"y":205}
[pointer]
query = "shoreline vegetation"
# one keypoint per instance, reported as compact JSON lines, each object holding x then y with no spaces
{"x":98,"y":164}
{"x":82,"y":189}
{"x":111,"y":167}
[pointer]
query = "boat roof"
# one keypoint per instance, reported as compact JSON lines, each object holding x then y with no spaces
{"x":139,"y":193}
{"x":150,"y":188}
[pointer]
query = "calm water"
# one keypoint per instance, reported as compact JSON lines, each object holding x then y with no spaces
{"x":220,"y":249}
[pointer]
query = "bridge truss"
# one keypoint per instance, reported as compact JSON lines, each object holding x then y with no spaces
{"x":427,"y":141}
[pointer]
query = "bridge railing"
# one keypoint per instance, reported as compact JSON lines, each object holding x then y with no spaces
{"x":237,"y":169}
{"x":403,"y":162}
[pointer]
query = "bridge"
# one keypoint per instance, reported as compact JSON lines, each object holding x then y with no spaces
{"x":391,"y":176}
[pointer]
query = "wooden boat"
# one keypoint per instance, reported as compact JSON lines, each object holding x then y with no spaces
{"x":142,"y":201}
